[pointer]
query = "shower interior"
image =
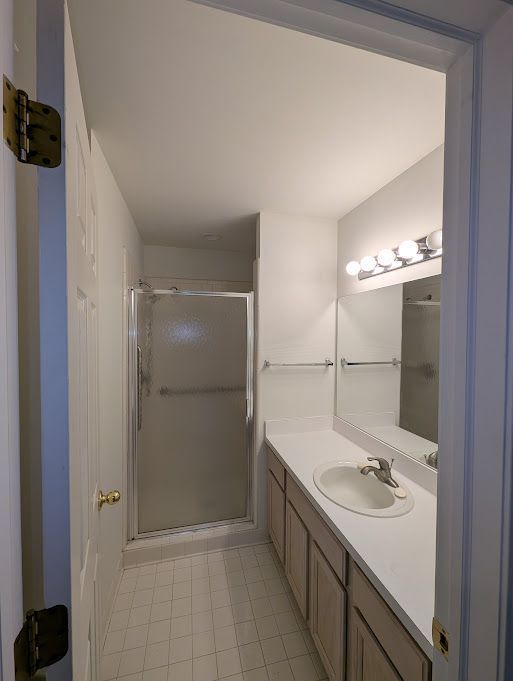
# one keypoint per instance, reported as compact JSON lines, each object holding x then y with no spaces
{"x":191,"y":403}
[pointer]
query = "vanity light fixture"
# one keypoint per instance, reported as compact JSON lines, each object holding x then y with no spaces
{"x":409,"y":252}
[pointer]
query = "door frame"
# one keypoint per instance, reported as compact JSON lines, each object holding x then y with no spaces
{"x":133,"y":407}
{"x":472,"y":204}
{"x":11,"y":599}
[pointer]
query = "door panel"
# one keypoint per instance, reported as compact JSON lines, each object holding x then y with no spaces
{"x":83,"y":376}
{"x":327,"y":614}
{"x":368,"y":661}
{"x":276,"y":515}
{"x":296,"y":557}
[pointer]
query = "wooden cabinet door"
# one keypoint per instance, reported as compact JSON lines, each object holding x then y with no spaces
{"x":276,"y":513}
{"x":327,"y":614}
{"x":368,"y":661}
{"x":296,"y":557}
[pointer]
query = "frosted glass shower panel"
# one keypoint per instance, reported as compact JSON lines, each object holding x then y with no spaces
{"x":192,"y":449}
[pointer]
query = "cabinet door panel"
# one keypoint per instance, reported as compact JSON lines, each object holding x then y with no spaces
{"x":276,"y":512}
{"x":327,"y":614}
{"x":296,"y":557}
{"x":368,"y":660}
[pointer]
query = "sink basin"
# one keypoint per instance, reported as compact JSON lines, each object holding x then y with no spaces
{"x":342,"y":482}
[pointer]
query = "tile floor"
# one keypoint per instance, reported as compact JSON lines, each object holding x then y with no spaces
{"x":225,"y":615}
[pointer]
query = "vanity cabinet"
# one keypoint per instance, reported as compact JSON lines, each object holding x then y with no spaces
{"x":276,"y":513}
{"x":356,"y":634}
{"x":327,"y":614}
{"x":296,"y":557}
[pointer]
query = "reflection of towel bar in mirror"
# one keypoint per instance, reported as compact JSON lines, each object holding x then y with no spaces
{"x":326,"y":363}
{"x":344,"y":363}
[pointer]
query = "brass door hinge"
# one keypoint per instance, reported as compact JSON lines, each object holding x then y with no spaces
{"x":32,"y":130}
{"x":42,"y":641}
{"x":440,"y":638}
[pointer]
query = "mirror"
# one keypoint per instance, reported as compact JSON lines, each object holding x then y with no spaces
{"x":387,"y":365}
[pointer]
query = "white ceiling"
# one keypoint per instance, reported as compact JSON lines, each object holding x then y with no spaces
{"x":208,"y":117}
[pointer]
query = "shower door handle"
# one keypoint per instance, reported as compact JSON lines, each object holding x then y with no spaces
{"x":139,"y":387}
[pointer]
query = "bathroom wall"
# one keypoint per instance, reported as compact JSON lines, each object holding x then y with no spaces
{"x":120,"y":259}
{"x":296,"y":287}
{"x":407,"y":208}
{"x":198,"y":267}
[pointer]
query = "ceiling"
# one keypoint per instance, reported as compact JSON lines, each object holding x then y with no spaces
{"x":207,"y":117}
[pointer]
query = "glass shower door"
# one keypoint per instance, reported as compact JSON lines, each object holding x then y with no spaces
{"x":193,"y":408}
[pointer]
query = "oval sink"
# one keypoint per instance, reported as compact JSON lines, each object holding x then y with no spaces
{"x":343,"y":483}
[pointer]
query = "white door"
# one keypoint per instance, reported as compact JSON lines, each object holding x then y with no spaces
{"x":82,"y":289}
{"x":10,"y":528}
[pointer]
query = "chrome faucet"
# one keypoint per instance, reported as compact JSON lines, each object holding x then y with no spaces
{"x":383,"y":473}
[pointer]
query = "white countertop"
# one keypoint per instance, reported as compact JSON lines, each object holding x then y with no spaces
{"x":396,"y":554}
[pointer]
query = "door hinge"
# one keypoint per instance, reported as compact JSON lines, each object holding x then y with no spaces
{"x":42,"y":641}
{"x":32,"y":130}
{"x":440,"y":638}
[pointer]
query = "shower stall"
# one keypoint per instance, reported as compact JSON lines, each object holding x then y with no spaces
{"x":191,"y":409}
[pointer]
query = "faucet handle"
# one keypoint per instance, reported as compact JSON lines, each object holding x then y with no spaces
{"x":383,"y":463}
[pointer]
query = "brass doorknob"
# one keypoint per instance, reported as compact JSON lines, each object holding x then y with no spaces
{"x":110,"y":498}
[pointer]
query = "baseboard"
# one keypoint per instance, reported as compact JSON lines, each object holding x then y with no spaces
{"x":169,"y":547}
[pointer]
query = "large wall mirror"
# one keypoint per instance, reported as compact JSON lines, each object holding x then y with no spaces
{"x":387,"y":365}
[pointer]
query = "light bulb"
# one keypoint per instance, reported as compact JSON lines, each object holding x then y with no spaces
{"x":434,"y":240}
{"x":386,"y":257}
{"x":353,"y":268}
{"x":408,"y":249}
{"x":368,"y":263}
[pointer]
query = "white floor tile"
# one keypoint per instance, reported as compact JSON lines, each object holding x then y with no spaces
{"x":203,"y":644}
{"x":204,"y":668}
{"x":145,"y":582}
{"x":127,"y":585}
{"x":217,"y":568}
{"x":114,"y":642}
{"x":165,"y":566}
{"x":119,"y":620}
{"x":123,"y":602}
{"x":180,"y":671}
{"x":257,"y":590}
{"x":273,"y":650}
{"x":267,"y":627}
{"x":201,"y":603}
{"x":303,"y":668}
{"x":199,"y":571}
{"x":164,"y":578}
{"x":295,"y":644}
{"x":200,"y":586}
{"x":220,"y":599}
{"x":132,"y":661}
{"x":239,"y":594}
{"x":132,"y":677}
{"x":136,"y":637}
{"x":242,"y":612}
{"x":159,"y":674}
{"x":110,"y":666}
{"x":218,"y":582}
{"x":149,"y":569}
{"x":181,"y":607}
{"x":139,"y":616}
{"x":160,"y":611}
{"x":235,"y":578}
{"x":280,"y":671}
{"x":286,"y":622}
{"x":163,"y":594}
{"x":182,"y":575}
{"x":157,"y":655}
{"x":246,"y":632}
{"x":144,"y":597}
{"x":256,"y":675}
{"x":202,"y":621}
{"x":228,"y":663}
{"x":251,"y":656}
{"x":159,"y":631}
{"x":225,"y":638}
{"x":223,"y":617}
{"x":262,"y":607}
{"x":182,"y":589}
{"x":233,"y":564}
{"x":181,"y":626}
{"x":180,"y":649}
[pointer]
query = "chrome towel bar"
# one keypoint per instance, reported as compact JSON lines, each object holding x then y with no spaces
{"x":394,"y":362}
{"x":326,"y":363}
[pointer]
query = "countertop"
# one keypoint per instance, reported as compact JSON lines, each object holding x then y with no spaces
{"x":396,"y":554}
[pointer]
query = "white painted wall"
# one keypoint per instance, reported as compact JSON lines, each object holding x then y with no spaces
{"x":117,"y":232}
{"x":197,"y":263}
{"x":409,"y":207}
{"x":296,"y":291}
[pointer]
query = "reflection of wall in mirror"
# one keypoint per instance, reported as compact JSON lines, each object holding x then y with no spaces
{"x":369,"y":330}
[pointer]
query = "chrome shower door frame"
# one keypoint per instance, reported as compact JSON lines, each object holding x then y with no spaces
{"x":133,"y":410}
